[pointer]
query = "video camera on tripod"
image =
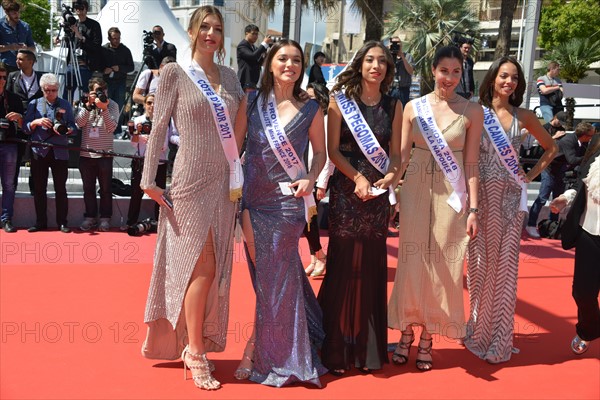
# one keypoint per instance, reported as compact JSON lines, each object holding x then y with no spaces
{"x":148,"y":40}
{"x":68,"y":20}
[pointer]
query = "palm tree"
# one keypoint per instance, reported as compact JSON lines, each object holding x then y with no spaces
{"x":507,"y":12}
{"x":372,"y":11}
{"x":432,"y":23}
{"x":575,"y":57}
{"x":320,"y":6}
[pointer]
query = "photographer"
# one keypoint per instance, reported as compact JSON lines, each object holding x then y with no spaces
{"x":11,"y":110}
{"x":250,"y":57}
{"x":161,"y":49}
{"x":50,"y":120}
{"x":142,"y":126}
{"x":118,"y":63}
{"x":148,"y":81}
{"x":97,"y":120}
{"x":86,"y":36}
{"x":14,"y":34}
{"x":405,"y":66}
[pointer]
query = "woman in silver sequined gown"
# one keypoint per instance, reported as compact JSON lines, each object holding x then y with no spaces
{"x":188,"y":298}
{"x":493,"y":256}
{"x":288,"y":327}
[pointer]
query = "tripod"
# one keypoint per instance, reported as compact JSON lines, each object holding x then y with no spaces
{"x":67,"y":56}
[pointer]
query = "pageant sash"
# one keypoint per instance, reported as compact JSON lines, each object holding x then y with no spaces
{"x":442,"y":153}
{"x":224,"y":126}
{"x":505,"y":150}
{"x":364,"y":137}
{"x":283,"y":149}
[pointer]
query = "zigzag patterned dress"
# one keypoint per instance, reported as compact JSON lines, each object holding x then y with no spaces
{"x":493,"y":256}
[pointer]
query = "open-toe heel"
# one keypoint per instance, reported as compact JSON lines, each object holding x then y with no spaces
{"x":199,"y":365}
{"x":244,"y":370}
{"x":424,"y":359}
{"x":319,"y":267}
{"x":337,"y":372}
{"x":400,"y":356}
{"x":310,"y":268}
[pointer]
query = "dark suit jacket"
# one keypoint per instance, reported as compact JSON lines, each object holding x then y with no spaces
{"x":460,"y":88}
{"x":14,"y":85}
{"x":167,"y":50}
{"x":11,"y":104}
{"x":571,"y":229}
{"x":569,"y":147}
{"x":316,"y":75}
{"x":249,"y":61}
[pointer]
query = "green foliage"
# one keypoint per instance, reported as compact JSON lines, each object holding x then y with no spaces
{"x":38,"y":20}
{"x":561,"y":21}
{"x":431,"y":23}
{"x":575,"y":57}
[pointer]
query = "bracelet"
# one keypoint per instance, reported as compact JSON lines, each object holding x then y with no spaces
{"x":473,"y":210}
{"x":359,"y":176}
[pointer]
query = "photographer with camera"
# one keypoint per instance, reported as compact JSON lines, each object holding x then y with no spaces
{"x":86,"y":37}
{"x":14,"y":34}
{"x":405,"y":66}
{"x":50,"y":120}
{"x":140,"y":129}
{"x":250,"y":57}
{"x":97,"y":121}
{"x":118,"y":63}
{"x":160,"y":48}
{"x":316,"y":74}
{"x":11,"y":110}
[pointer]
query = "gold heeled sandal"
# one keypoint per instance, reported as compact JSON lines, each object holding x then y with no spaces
{"x":310,"y":268}
{"x":319,"y":267}
{"x":200,"y":367}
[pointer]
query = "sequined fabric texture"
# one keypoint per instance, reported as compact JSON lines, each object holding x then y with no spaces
{"x":201,"y":205}
{"x":288,"y":317}
{"x":493,"y":256}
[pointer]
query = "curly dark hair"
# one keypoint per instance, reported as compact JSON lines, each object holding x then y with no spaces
{"x":351,"y":78}
{"x":321,"y":95}
{"x":486,"y":90}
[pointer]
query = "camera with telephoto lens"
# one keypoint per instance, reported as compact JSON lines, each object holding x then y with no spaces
{"x":395,"y":49}
{"x":148,"y":225}
{"x":101,"y":96}
{"x":69,"y":19}
{"x":146,"y":128}
{"x":58,"y":124}
{"x":148,"y":40}
{"x":4,"y":128}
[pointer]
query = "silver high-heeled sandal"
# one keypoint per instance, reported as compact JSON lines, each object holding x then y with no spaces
{"x":199,"y":365}
{"x":244,"y":372}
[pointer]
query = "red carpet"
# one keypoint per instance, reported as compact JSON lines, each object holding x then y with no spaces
{"x":71,"y":313}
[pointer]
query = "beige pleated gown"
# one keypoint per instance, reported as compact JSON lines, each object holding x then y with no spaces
{"x":428,"y":288}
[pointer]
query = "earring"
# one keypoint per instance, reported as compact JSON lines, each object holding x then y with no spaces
{"x":512,"y":96}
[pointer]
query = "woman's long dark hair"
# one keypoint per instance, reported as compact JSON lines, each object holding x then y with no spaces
{"x":351,"y":78}
{"x":486,"y":90}
{"x":268,"y":82}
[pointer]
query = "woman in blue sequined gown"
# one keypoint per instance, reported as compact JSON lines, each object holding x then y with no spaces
{"x":288,"y":329}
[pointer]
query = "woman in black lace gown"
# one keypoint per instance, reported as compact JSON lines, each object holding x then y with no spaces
{"x":353,"y":294}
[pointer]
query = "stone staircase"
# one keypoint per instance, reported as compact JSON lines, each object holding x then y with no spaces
{"x":25,"y":210}
{"x":24,"y":215}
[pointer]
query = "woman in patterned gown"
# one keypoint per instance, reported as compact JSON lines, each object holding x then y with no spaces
{"x":493,"y":256}
{"x":353,"y":294}
{"x":433,"y":235}
{"x":188,"y":299}
{"x":288,"y":330}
